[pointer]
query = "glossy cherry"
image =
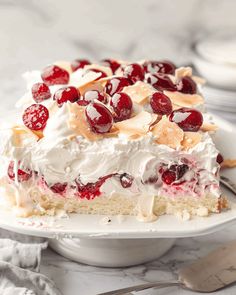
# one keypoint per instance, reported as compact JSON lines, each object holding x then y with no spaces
{"x":65,"y":94}
{"x":219,"y":158}
{"x":58,"y":188}
{"x":134,"y":72}
{"x":126,"y":180}
{"x":163,"y":67}
{"x":99,"y":117}
{"x":40,"y":92}
{"x":116,"y":85}
{"x":53,"y":75}
{"x":174,"y":173}
{"x":187,"y":85}
{"x":160,"y":103}
{"x":79,"y":64}
{"x":35,"y":117}
{"x":92,"y":189}
{"x":122,"y":105}
{"x":111,"y":63}
{"x":187,"y":119}
{"x":22,"y":175}
{"x":161,"y":82}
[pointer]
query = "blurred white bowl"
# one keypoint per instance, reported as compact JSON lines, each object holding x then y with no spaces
{"x":219,"y":75}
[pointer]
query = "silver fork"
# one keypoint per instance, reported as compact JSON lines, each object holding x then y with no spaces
{"x":228,"y":184}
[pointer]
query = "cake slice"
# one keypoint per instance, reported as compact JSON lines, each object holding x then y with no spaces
{"x":111,"y":138}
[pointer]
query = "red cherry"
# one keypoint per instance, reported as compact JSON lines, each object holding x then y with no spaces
{"x":91,"y":190}
{"x":219,"y":158}
{"x":79,"y":64}
{"x":160,"y":103}
{"x":90,"y":96}
{"x":122,"y":105}
{"x":58,"y":188}
{"x":40,"y":92}
{"x":22,"y":175}
{"x":116,"y":85}
{"x":112,"y":63}
{"x":99,"y":117}
{"x":103,"y":75}
{"x":53,"y":75}
{"x":161,"y":82}
{"x":126,"y":180}
{"x":35,"y":117}
{"x":134,"y":72}
{"x":163,"y":67}
{"x":187,"y":85}
{"x":168,"y":177}
{"x":65,"y":94}
{"x":187,"y":119}
{"x":175,"y":172}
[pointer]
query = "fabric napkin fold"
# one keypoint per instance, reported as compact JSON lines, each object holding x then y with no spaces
{"x":19,"y":269}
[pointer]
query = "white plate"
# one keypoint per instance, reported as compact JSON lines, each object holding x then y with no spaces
{"x":91,"y":226}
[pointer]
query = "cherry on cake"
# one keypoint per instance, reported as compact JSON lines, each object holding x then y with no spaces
{"x":111,"y":138}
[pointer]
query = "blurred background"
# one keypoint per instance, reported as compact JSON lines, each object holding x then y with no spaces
{"x":34,"y":33}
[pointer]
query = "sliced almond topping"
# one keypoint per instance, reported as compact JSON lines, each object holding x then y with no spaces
{"x":168,"y":133}
{"x":191,"y":139}
{"x":184,"y":100}
{"x":207,"y":127}
{"x":79,"y":81}
{"x":105,"y":70}
{"x":95,"y":85}
{"x":21,"y":135}
{"x":64,"y":65}
{"x":228,"y":163}
{"x":182,"y":72}
{"x":138,"y":125}
{"x":139,"y":92}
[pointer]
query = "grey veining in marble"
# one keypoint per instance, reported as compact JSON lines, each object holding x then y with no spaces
{"x":35,"y":33}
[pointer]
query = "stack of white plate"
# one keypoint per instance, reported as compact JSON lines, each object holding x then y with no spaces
{"x":215,"y":60}
{"x":220,"y":99}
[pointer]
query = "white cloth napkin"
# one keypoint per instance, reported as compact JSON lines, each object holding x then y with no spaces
{"x":19,"y":269}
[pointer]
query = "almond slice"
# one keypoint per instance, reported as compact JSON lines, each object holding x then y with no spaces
{"x":228,"y":163}
{"x":138,"y":125}
{"x":207,"y":127}
{"x":105,"y":70}
{"x":77,"y":80}
{"x":182,"y":72}
{"x":22,"y":135}
{"x":64,"y":65}
{"x":184,"y":100}
{"x":168,"y":133}
{"x":95,"y":85}
{"x":191,"y":139}
{"x":139,"y":92}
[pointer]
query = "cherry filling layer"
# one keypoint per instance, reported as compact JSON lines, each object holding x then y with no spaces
{"x":167,"y":180}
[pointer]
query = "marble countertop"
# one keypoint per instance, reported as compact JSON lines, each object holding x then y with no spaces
{"x":73,"y":278}
{"x":34,"y":33}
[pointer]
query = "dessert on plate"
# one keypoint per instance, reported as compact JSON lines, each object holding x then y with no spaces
{"x":111,"y":138}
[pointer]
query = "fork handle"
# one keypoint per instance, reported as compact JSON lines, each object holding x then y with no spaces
{"x":228,"y":183}
{"x":125,"y":291}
